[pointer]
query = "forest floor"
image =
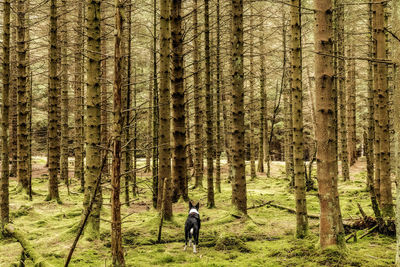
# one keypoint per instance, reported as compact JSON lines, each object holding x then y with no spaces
{"x":266,"y":238}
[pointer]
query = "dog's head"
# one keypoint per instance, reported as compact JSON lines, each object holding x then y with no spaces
{"x":194,"y":208}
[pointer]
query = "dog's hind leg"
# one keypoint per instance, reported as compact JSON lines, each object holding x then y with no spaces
{"x":191,"y":237}
{"x":186,"y":239}
{"x":195,"y":241}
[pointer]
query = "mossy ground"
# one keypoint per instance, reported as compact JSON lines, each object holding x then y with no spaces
{"x":266,"y":238}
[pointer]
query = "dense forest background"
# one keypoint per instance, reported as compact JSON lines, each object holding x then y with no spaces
{"x":279,"y":117}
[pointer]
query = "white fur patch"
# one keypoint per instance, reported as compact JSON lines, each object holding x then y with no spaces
{"x":191,"y":231}
{"x":194,"y":211}
{"x":194,"y":249}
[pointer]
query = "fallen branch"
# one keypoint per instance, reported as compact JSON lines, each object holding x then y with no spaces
{"x":354,"y":234}
{"x":370,"y":231}
{"x":363,"y":214}
{"x":290,"y":210}
{"x":29,"y":251}
{"x":259,"y":206}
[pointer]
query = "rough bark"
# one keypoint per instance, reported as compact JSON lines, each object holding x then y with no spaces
{"x":104,"y":88}
{"x":116,"y":236}
{"x":22,"y":100}
{"x":369,"y":144}
{"x":78,"y":99}
{"x":218,"y":103}
{"x":198,"y":96}
{"x":209,"y":108}
{"x":252,"y":109}
{"x":156,"y":198}
{"x":64,"y":94}
{"x":164,"y":172}
{"x":239,"y":196}
{"x":351,"y":108}
{"x":178,"y":104}
{"x":93,"y":141}
{"x":382,"y":130}
{"x":330,"y":234}
{"x":54,"y":144}
{"x":342,"y":92}
{"x":297,"y":117}
{"x":127,"y":101}
{"x":263,"y":116}
{"x":4,"y":182}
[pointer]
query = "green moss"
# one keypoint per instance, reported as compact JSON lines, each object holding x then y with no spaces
{"x":268,"y":233}
{"x":231,"y":242}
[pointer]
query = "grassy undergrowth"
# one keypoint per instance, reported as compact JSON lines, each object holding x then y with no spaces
{"x":266,"y":238}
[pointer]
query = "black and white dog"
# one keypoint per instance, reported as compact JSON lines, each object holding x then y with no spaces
{"x":192,"y":226}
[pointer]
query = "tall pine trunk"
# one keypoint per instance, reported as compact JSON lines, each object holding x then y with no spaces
{"x":209,"y":108}
{"x":116,"y":236}
{"x":4,"y":182}
{"x":382,"y":130}
{"x":262,"y":115}
{"x":218,"y":102}
{"x":64,"y":95}
{"x":164,"y":172}
{"x":351,"y":108}
{"x":239,"y":196}
{"x":297,"y":117}
{"x":156,"y":192}
{"x":104,"y":88}
{"x":330,"y":233}
{"x":78,"y":91}
{"x":54,"y":145}
{"x":22,"y":100}
{"x":342,"y":90}
{"x":93,"y":152}
{"x":178,"y":104}
{"x":252,"y":109}
{"x":198,"y":96}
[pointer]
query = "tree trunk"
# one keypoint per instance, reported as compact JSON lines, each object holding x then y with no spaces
{"x":263,"y":116}
{"x":297,"y":117}
{"x":78,"y":91}
{"x":127,"y":102}
{"x":164,"y":172}
{"x":371,"y":129}
{"x":13,"y":94}
{"x":156,"y":186}
{"x":22,"y":100}
{"x":198,"y":96}
{"x":93,"y":152}
{"x":64,"y":95}
{"x":54,"y":144}
{"x":209,"y":109}
{"x":116,"y":236}
{"x":342,"y":92}
{"x":218,"y":101}
{"x":288,"y":109}
{"x":104,"y":88}
{"x":382,"y":131}
{"x":351,"y":108}
{"x":252,"y":108}
{"x":178,"y":104}
{"x":4,"y":182}
{"x":239,"y":196}
{"x":330,"y":233}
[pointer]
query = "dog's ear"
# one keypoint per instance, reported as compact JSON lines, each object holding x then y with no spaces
{"x":190,"y":205}
{"x":197,"y":206}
